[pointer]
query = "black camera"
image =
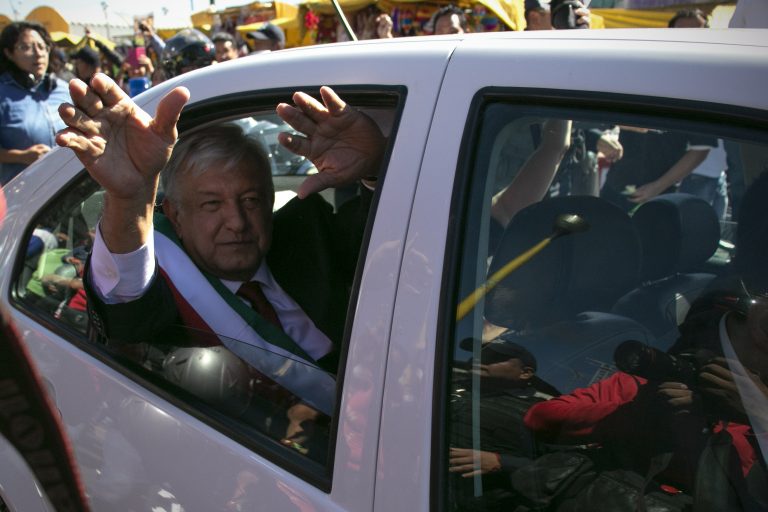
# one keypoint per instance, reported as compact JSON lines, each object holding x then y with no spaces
{"x":637,"y":358}
{"x":563,"y":14}
{"x":143,"y":27}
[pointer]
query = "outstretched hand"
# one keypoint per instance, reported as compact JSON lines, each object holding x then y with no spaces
{"x":344,"y":144}
{"x":121,"y":146}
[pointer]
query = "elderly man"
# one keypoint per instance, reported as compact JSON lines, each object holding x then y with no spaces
{"x":219,"y":222}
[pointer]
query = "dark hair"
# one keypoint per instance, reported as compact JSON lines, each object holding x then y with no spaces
{"x":448,"y":10}
{"x":223,"y":37}
{"x":688,"y":13}
{"x":10,"y":36}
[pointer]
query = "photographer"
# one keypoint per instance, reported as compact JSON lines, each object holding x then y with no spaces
{"x":702,"y":405}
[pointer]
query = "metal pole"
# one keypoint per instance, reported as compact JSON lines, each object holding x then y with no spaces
{"x":343,"y":20}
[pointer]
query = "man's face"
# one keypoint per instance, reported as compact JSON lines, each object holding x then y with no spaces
{"x":448,"y":25}
{"x":693,"y":22}
{"x":539,"y":19}
{"x":225,"y":51}
{"x":224,"y":220}
{"x":512,"y":370}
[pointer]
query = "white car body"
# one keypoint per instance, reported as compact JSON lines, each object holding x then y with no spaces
{"x":391,"y":354}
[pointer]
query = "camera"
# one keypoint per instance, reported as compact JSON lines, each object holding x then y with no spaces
{"x":637,"y":358}
{"x":143,"y":27}
{"x":563,"y":13}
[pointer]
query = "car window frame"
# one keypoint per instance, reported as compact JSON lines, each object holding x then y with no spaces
{"x":208,"y":111}
{"x":723,"y":120}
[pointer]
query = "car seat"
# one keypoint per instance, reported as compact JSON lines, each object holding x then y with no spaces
{"x":558,"y":304}
{"x":678,"y":234}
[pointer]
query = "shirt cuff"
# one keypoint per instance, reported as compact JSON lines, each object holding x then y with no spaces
{"x":120,"y":278}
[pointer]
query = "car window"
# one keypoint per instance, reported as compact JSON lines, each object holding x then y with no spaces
{"x":601,"y":356}
{"x":244,"y":372}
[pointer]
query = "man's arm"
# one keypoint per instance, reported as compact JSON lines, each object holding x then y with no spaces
{"x":124,"y":150}
{"x":690,"y":160}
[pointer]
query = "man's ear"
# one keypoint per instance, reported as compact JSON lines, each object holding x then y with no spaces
{"x":172,"y":212}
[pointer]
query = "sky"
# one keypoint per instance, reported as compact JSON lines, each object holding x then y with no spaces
{"x":119,"y":12}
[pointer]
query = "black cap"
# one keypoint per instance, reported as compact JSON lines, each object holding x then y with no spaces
{"x":500,"y":350}
{"x":535,"y":5}
{"x":268,"y":32}
{"x":88,"y":55}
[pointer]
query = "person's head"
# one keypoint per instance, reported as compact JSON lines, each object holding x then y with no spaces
{"x":506,"y":361}
{"x":87,"y":63}
{"x":537,"y":15}
{"x":449,"y":20}
{"x":188,"y":50}
{"x":58,"y":60}
{"x":26,"y":47}
{"x":219,"y":197}
{"x":268,"y":38}
{"x":689,"y":18}
{"x":225,"y":46}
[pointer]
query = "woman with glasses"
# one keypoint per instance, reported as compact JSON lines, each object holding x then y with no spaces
{"x":29,"y":97}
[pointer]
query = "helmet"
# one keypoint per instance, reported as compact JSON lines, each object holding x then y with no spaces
{"x":187,"y":50}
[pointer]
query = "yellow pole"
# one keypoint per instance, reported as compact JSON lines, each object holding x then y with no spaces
{"x":466,"y":305}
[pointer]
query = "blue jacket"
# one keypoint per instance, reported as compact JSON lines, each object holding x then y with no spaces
{"x":29,"y":116}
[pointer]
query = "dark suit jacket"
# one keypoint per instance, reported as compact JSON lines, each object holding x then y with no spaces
{"x":313,"y":257}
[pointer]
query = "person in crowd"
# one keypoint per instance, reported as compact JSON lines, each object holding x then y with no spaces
{"x":29,"y":97}
{"x":60,"y":66}
{"x":225,"y":46}
{"x":87,"y":63}
{"x":187,"y":50}
{"x":269,"y":38}
{"x":538,"y":15}
{"x":689,"y":18}
{"x":449,"y":19}
{"x":653,"y":163}
{"x":218,"y":207}
{"x":508,"y":388}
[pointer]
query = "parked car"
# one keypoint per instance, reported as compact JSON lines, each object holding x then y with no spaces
{"x":462,"y":115}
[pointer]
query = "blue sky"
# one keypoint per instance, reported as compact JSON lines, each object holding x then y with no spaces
{"x":118,"y":11}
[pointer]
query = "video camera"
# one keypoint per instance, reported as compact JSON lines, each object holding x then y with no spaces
{"x":637,"y":358}
{"x":563,"y":13}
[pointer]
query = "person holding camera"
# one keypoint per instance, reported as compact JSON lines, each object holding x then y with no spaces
{"x":555,"y":14}
{"x":693,"y":420}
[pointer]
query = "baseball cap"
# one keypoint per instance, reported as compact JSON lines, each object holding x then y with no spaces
{"x":88,"y":55}
{"x":500,"y":350}
{"x":268,"y":32}
{"x":536,"y":5}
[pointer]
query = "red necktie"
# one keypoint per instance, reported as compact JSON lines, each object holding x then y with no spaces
{"x":252,"y":292}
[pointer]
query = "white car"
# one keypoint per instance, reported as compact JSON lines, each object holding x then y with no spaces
{"x":453,"y":391}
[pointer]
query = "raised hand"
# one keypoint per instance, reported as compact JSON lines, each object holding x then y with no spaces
{"x":344,"y":144}
{"x":124,"y":150}
{"x":120,"y":145}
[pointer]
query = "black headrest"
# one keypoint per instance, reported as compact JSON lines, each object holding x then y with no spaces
{"x":678,"y":232}
{"x":576,"y":272}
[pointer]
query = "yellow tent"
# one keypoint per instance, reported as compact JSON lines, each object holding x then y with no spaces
{"x":4,"y":20}
{"x":65,"y":39}
{"x":287,"y":18}
{"x":49,"y":18}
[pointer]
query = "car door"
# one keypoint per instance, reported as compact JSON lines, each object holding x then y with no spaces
{"x":557,"y":300}
{"x":142,"y":444}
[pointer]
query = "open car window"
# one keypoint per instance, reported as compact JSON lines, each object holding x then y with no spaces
{"x":600,"y":345}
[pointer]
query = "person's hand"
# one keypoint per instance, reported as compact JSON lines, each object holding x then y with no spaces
{"x":301,"y":420}
{"x":462,"y":460}
{"x":384,"y":26}
{"x":120,"y":145}
{"x":344,"y":144}
{"x":722,"y":389}
{"x":610,"y":147}
{"x":33,"y":153}
{"x":645,"y":192}
{"x":678,"y":395}
{"x":583,"y":17}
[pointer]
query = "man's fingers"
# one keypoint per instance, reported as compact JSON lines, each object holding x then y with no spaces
{"x":315,"y":183}
{"x":76,"y":119}
{"x":86,"y":148}
{"x":310,"y":106}
{"x":295,"y":143}
{"x":332,"y":100}
{"x":85,"y":98}
{"x":168,"y":112}
{"x":296,"y":118}
{"x":107,"y":89}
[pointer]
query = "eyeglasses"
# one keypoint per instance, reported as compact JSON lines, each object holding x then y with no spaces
{"x":28,"y":49}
